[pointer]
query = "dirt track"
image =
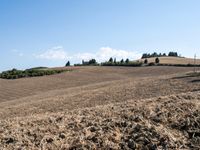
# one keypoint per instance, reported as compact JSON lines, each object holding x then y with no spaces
{"x":87,"y":87}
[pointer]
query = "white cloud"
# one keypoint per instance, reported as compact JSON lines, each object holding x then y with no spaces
{"x":17,"y":52}
{"x":55,"y":53}
{"x":106,"y":52}
{"x":103,"y":54}
{"x":84,"y":56}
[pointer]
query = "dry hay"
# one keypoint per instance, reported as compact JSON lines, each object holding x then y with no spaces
{"x":169,"y":122}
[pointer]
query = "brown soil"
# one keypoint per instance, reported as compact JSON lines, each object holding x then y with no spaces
{"x":102,"y":108}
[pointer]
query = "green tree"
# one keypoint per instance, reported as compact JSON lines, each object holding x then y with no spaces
{"x":111,"y":60}
{"x":127,"y":61}
{"x":115,"y":61}
{"x":67,"y":64}
{"x":174,"y":54}
{"x":92,"y":61}
{"x":144,"y":55}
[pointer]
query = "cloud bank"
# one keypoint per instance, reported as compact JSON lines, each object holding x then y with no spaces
{"x":103,"y":54}
{"x":55,"y":53}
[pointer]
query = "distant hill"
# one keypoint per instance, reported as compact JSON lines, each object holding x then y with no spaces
{"x":173,"y":60}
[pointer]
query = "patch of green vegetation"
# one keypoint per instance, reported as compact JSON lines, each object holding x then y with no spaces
{"x":36,"y":68}
{"x":171,"y":54}
{"x":194,"y":74}
{"x":110,"y":62}
{"x":122,"y":63}
{"x":91,"y":62}
{"x":16,"y":74}
{"x":127,"y":62}
{"x":188,"y":75}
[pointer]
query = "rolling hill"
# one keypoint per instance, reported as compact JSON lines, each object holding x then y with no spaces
{"x":102,"y":107}
{"x":173,"y":60}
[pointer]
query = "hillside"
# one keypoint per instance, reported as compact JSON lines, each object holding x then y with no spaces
{"x":102,"y":107}
{"x":173,"y":60}
{"x":79,"y":77}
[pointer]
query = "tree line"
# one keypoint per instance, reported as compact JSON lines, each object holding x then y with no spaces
{"x":114,"y":62}
{"x":122,"y":62}
{"x":110,"y":62}
{"x":91,"y":62}
{"x":170,"y":54}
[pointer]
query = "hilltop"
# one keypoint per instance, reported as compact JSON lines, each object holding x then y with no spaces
{"x":173,"y":60}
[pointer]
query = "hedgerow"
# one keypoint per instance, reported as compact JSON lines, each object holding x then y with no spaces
{"x":15,"y":74}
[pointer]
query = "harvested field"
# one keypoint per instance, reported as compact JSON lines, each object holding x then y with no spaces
{"x":170,"y":122}
{"x":174,"y":60}
{"x":102,"y":108}
{"x":80,"y":76}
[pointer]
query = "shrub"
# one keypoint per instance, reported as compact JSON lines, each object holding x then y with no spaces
{"x":157,"y":60}
{"x":146,"y":61}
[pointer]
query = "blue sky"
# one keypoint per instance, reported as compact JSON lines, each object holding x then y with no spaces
{"x":50,"y":32}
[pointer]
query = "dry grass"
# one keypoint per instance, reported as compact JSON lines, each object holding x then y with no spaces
{"x":174,"y":60}
{"x":102,"y":108}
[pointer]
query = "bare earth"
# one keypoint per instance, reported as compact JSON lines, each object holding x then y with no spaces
{"x":102,"y":108}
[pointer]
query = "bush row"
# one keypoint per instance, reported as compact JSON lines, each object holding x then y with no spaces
{"x":131,"y":64}
{"x":15,"y":74}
